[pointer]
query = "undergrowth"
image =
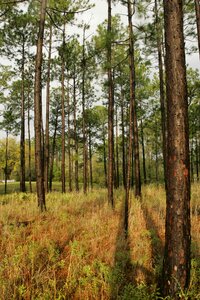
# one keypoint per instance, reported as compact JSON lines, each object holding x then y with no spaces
{"x":77,"y":249}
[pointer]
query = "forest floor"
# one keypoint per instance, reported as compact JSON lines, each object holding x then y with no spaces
{"x":77,"y":249}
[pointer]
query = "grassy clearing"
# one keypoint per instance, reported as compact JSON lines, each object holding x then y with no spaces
{"x":77,"y":250}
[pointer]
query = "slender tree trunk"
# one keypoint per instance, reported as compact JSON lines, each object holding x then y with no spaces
{"x":117,"y":151}
{"x":39,"y":166}
{"x":143,"y":154}
{"x":29,"y":143}
{"x":162,"y":90}
{"x":63,"y":116}
{"x":133,"y":104}
{"x":22,"y":138}
{"x":104,"y":156}
{"x":75,"y":135}
{"x":176,"y":265}
{"x":53,"y":153}
{"x":85,"y":146}
{"x":6,"y":164}
{"x":90,"y":154}
{"x":197,"y":158}
{"x":69,"y":140}
{"x":110,"y":110}
{"x":123,"y":141}
{"x":156,"y":138}
{"x":192,"y":162}
{"x":197,"y":8}
{"x":47,"y":114}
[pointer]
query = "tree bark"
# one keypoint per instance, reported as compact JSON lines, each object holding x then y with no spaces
{"x":90,"y":155}
{"x":29,"y":143}
{"x":53,"y":153}
{"x":110,"y":110}
{"x":39,"y":166}
{"x":6,"y":164}
{"x":133,"y":107}
{"x":123,"y":140}
{"x":75,"y":134}
{"x":22,"y":138}
{"x":63,"y":179}
{"x":46,"y":170}
{"x":197,"y":8}
{"x":162,"y":90}
{"x":69,"y":141}
{"x":156,"y":146}
{"x":197,"y":157}
{"x":104,"y":156}
{"x":176,"y":265}
{"x":143,"y":154}
{"x":85,"y":146}
{"x":117,"y":151}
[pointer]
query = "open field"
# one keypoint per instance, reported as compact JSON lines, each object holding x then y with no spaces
{"x":77,"y":249}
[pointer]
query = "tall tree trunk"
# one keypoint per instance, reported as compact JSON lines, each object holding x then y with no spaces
{"x":192,"y":162}
{"x":85,"y":146}
{"x":104,"y":157}
{"x":39,"y":167}
{"x":176,"y":265}
{"x":69,"y":140}
{"x":29,"y":143}
{"x":117,"y":151}
{"x":123,"y":140}
{"x":53,"y":153}
{"x":63,"y":115}
{"x":197,"y":8}
{"x":90,"y":155}
{"x":75,"y":134}
{"x":46,"y":169}
{"x":197,"y":157}
{"x":110,"y":110}
{"x":22,"y":138}
{"x":162,"y":90}
{"x":6,"y":164}
{"x":133,"y":108}
{"x":143,"y":154}
{"x":156,"y":146}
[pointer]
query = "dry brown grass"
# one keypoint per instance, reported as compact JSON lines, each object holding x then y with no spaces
{"x":77,"y":249}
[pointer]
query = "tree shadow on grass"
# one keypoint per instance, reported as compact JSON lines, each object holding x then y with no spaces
{"x":125,"y":272}
{"x":157,"y":244}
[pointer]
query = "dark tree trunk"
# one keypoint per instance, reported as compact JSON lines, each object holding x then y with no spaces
{"x":90,"y":155}
{"x":117,"y":151}
{"x":197,"y":8}
{"x":123,"y":141}
{"x":75,"y":135}
{"x":176,"y":265}
{"x":63,"y":116}
{"x":133,"y":104}
{"x":197,"y":157}
{"x":39,"y":166}
{"x":85,"y":144}
{"x":46,"y":169}
{"x":69,"y":141}
{"x":110,"y":110}
{"x":156,"y":146}
{"x":192,"y":162}
{"x":29,"y":143}
{"x":53,"y":153}
{"x":143,"y":154}
{"x":22,"y":138}
{"x":6,"y":164}
{"x":162,"y":90}
{"x":104,"y":156}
